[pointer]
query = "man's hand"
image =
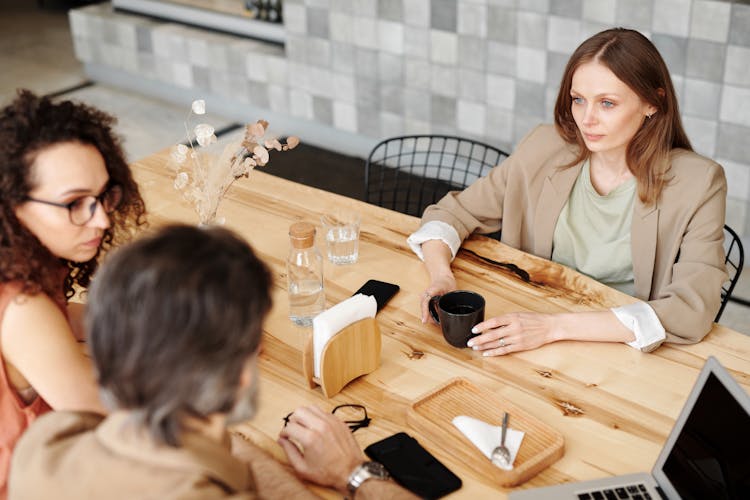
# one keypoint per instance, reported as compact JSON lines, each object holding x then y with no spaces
{"x":320,"y":447}
{"x":272,"y":479}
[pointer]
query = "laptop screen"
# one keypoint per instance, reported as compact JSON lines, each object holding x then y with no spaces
{"x":711,"y":456}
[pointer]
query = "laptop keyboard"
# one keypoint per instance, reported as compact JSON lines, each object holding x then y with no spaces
{"x":634,"y":492}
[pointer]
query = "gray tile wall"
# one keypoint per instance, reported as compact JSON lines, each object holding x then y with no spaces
{"x":487,"y":69}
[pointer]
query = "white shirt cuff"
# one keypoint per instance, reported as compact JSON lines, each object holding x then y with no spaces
{"x":434,"y":230}
{"x":641,"y":319}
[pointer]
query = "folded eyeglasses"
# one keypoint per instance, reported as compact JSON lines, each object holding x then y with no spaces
{"x":355,"y":416}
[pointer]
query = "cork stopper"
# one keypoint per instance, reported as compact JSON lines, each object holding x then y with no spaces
{"x":302,"y":234}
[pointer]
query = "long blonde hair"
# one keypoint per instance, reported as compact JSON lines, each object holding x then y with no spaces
{"x":637,"y":63}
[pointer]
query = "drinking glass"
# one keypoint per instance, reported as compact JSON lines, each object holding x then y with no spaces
{"x":341,"y":230}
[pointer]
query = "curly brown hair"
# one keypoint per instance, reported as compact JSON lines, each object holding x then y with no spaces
{"x":28,"y":125}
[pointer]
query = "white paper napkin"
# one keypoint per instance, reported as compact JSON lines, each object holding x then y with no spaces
{"x":333,"y":320}
{"x":486,"y":437}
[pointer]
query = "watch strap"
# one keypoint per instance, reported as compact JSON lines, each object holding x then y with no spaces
{"x":363,"y":472}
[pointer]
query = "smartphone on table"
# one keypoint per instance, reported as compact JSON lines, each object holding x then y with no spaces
{"x":381,"y":290}
{"x":413,"y":467}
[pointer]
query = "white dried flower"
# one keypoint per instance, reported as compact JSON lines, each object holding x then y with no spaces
{"x":204,"y":179}
{"x":238,"y":170}
{"x":273,"y":144}
{"x":181,"y":180}
{"x":204,"y":134}
{"x":178,"y":156}
{"x":257,"y":130}
{"x":199,"y":107}
{"x":261,"y":155}
{"x":207,"y":141}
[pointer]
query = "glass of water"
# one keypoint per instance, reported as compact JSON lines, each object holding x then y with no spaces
{"x":341,"y":230}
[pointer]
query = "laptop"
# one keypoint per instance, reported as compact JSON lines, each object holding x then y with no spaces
{"x":706,"y":456}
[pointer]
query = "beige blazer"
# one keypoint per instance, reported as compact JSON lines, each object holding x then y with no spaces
{"x":677,"y":244}
{"x":68,"y":455}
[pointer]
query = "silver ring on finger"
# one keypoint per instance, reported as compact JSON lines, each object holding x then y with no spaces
{"x":502,"y":341}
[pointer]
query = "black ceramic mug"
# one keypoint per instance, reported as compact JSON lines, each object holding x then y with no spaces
{"x":457,"y":312}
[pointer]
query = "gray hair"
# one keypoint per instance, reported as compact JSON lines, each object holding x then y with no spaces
{"x":172,"y":319}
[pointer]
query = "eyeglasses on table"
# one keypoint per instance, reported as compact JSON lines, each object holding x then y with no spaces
{"x":353,"y":415}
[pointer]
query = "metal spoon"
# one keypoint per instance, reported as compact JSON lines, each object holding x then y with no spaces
{"x":501,"y":454}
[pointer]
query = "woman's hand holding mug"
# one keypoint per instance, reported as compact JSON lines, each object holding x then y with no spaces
{"x":439,"y":286}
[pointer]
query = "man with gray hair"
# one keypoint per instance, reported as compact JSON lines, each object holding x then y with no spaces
{"x":174,"y":323}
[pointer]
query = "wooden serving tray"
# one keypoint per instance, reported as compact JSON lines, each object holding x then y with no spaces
{"x":433,"y":413}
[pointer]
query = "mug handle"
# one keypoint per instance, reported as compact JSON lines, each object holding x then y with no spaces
{"x":432,"y":306}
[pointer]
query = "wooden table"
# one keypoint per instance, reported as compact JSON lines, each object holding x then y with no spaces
{"x":613,"y":404}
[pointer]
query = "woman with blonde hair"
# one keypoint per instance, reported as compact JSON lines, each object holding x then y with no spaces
{"x":613,"y":190}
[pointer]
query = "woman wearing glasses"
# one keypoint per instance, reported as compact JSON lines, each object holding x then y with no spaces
{"x":67,"y":196}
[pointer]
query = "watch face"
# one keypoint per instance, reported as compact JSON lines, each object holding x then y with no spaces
{"x":376,"y":469}
{"x":368,"y":470}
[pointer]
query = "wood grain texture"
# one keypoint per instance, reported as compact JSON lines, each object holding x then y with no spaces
{"x":434,"y":412}
{"x":351,"y":353}
{"x":600,"y":396}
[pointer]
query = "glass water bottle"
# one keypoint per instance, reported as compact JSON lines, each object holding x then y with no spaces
{"x":304,"y":275}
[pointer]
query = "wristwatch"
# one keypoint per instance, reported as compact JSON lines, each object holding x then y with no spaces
{"x":363,"y":472}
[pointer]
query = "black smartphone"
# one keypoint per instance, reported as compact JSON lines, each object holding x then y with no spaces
{"x":381,"y":290}
{"x":413,"y":467}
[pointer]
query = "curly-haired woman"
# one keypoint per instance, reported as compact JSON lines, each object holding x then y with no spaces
{"x":67,"y":196}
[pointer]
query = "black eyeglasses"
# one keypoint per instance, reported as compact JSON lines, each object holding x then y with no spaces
{"x":355,"y":416}
{"x":81,"y":210}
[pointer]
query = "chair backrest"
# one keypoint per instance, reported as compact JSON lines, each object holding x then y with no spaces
{"x":734,"y":260}
{"x":409,"y":173}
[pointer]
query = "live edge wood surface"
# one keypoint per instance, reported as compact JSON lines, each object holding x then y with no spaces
{"x":613,"y":404}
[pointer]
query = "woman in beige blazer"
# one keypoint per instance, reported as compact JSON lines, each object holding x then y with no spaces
{"x":617,"y":131}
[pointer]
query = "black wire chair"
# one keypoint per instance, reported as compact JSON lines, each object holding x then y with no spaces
{"x":734,"y":260}
{"x":408,"y":173}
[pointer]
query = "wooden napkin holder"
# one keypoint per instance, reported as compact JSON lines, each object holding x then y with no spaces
{"x":351,"y":353}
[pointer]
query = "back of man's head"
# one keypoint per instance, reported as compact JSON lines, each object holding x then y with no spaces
{"x":172,"y":320}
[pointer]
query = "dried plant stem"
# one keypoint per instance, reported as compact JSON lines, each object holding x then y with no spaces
{"x":204,"y":182}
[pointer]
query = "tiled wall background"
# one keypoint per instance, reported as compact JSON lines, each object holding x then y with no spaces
{"x":487,"y":69}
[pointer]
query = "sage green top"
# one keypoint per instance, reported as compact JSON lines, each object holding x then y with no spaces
{"x":592,"y":234}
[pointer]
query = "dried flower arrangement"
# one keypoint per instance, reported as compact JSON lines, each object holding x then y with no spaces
{"x":203,"y":177}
